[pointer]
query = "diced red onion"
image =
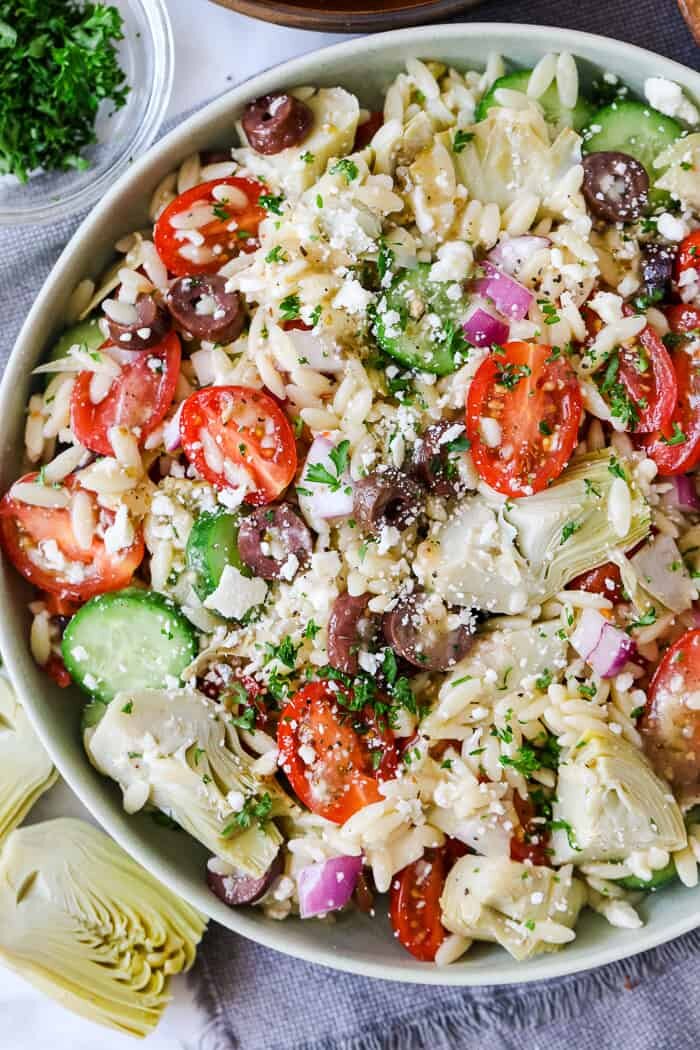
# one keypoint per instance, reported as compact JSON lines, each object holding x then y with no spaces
{"x":683,"y":494}
{"x":508,"y":296}
{"x":324,"y":502}
{"x":483,"y":329}
{"x":605,"y":647}
{"x":509,"y":255}
{"x":171,"y":431}
{"x":328,"y":885}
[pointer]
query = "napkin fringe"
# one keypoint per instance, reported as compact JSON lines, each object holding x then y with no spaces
{"x":444,"y":1027}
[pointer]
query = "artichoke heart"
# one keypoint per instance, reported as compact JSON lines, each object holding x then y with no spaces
{"x":90,"y":927}
{"x":178,"y":751}
{"x":26,"y":771}
{"x":610,"y":803}
{"x":527,"y":909}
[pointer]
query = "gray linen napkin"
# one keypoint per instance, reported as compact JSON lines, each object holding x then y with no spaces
{"x":258,"y":999}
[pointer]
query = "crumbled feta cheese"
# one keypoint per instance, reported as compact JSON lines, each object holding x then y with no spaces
{"x":352,"y":297}
{"x":454,"y":262}
{"x":668,"y":98}
{"x":236,"y":594}
{"x":120,"y":533}
{"x":671,"y":228}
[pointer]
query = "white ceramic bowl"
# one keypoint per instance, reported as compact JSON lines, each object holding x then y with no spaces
{"x":354,"y":943}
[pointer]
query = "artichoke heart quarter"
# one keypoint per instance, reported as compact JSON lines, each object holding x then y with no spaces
{"x":26,"y":771}
{"x":610,"y":802}
{"x":90,"y":927}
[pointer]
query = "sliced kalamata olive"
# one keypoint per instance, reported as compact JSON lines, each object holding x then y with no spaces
{"x":234,"y":887}
{"x":276,"y":122}
{"x":386,"y":497}
{"x":201,"y":307}
{"x":657,"y":268}
{"x":350,"y":627}
{"x":148,"y":327}
{"x":432,"y":463}
{"x":615,"y":186}
{"x":363,"y":895}
{"x":413,"y":632}
{"x":274,"y":542}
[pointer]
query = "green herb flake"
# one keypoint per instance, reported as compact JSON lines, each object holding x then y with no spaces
{"x":345,"y":167}
{"x":677,"y":437}
{"x":461,"y":141}
{"x":253,"y":811}
{"x":569,"y":529}
{"x":290,"y":308}
{"x":271,"y":203}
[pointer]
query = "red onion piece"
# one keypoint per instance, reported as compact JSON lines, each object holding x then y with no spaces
{"x":508,"y":296}
{"x":483,"y":329}
{"x":683,"y":494}
{"x":510,"y":255}
{"x":605,"y":647}
{"x":327,"y":886}
{"x":323,"y":502}
{"x":171,"y":431}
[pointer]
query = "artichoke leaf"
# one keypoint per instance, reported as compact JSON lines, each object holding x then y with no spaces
{"x":177,"y":750}
{"x":90,"y":927}
{"x":336,"y":114}
{"x":26,"y":771}
{"x":610,"y":803}
{"x":679,"y":165}
{"x":527,"y":909}
{"x":566,"y":529}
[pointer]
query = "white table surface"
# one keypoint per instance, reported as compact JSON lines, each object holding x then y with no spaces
{"x":215,"y":49}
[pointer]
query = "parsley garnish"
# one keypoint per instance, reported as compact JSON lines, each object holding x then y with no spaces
{"x":461,"y":140}
{"x":345,"y":167}
{"x":276,"y":255}
{"x":289,"y":308}
{"x":198,"y":752}
{"x":563,"y":825}
{"x":569,"y":529}
{"x":549,"y":310}
{"x":220,"y":211}
{"x":253,"y":810}
{"x":244,"y":720}
{"x":509,"y":375}
{"x":311,"y":630}
{"x":545,"y":679}
{"x":591,"y":490}
{"x":307,"y":157}
{"x":318,"y":474}
{"x":645,"y":620}
{"x":285,"y":652}
{"x":677,"y":438}
{"x":385,"y":259}
{"x":315,"y":315}
{"x":271,"y":203}
{"x":616,"y":468}
{"x":59,"y":62}
{"x":128,"y":708}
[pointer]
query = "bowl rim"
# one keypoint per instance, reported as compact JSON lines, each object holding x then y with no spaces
{"x":320,"y":18}
{"x":163,"y":43}
{"x":23,"y":356}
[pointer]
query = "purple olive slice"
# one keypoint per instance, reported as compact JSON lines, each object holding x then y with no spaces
{"x":147,"y":329}
{"x":385,"y":497}
{"x":432,"y":463}
{"x":235,"y":887}
{"x":275,"y":122}
{"x":657,"y":268}
{"x":274,"y":542}
{"x":413,"y":632}
{"x":201,"y":307}
{"x":350,"y":627}
{"x":615,"y":186}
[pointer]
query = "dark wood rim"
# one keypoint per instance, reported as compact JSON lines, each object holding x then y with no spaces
{"x":320,"y":17}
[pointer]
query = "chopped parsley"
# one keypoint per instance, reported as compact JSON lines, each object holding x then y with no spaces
{"x":345,"y":167}
{"x":549,"y":310}
{"x":245,"y":719}
{"x":311,"y":630}
{"x":569,"y":529}
{"x":616,"y":468}
{"x":285,"y":652}
{"x":677,"y":437}
{"x":276,"y":255}
{"x":461,"y":140}
{"x":254,"y":810}
{"x":545,"y":680}
{"x":509,"y":374}
{"x":591,"y":490}
{"x":645,"y":620}
{"x":315,"y":315}
{"x":318,"y":474}
{"x":271,"y":203}
{"x":220,"y":211}
{"x":563,"y":825}
{"x":290,"y":308}
{"x":385,"y":259}
{"x":128,"y":708}
{"x":307,"y":157}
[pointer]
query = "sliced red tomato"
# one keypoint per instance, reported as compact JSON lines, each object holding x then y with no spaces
{"x":334,"y":758}
{"x":682,"y":319}
{"x":688,"y":257}
{"x":647,"y":375}
{"x":605,"y":580}
{"x":138,"y":398}
{"x":40,"y":543}
{"x":670,"y":725}
{"x":56,"y":669}
{"x":229,"y":225}
{"x":531,"y":401}
{"x":675,"y":448}
{"x":366,"y":132}
{"x":234,"y":433}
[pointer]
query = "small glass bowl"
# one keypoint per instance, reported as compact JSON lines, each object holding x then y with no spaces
{"x":146,"y":55}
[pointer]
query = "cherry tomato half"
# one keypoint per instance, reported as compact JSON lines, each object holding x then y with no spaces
{"x":414,"y":901}
{"x":534,"y":402}
{"x":26,"y":531}
{"x":229,"y":225}
{"x":529,"y":841}
{"x":675,"y":448}
{"x":139,"y":396}
{"x":334,"y":758}
{"x":647,"y":375}
{"x":605,"y":580}
{"x":688,"y":257}
{"x":233,"y":434}
{"x":670,"y":725}
{"x":684,"y":319}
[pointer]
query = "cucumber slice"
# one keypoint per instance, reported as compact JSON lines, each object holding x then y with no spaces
{"x":634,"y":128}
{"x":659,"y":878}
{"x":212,"y":545}
{"x":554,"y":112}
{"x":85,"y":332}
{"x":432,"y":342}
{"x":127,"y":640}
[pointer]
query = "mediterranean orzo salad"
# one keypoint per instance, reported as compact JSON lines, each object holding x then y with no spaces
{"x":361,"y":501}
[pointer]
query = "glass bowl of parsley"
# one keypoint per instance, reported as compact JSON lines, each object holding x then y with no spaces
{"x":84,"y":89}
